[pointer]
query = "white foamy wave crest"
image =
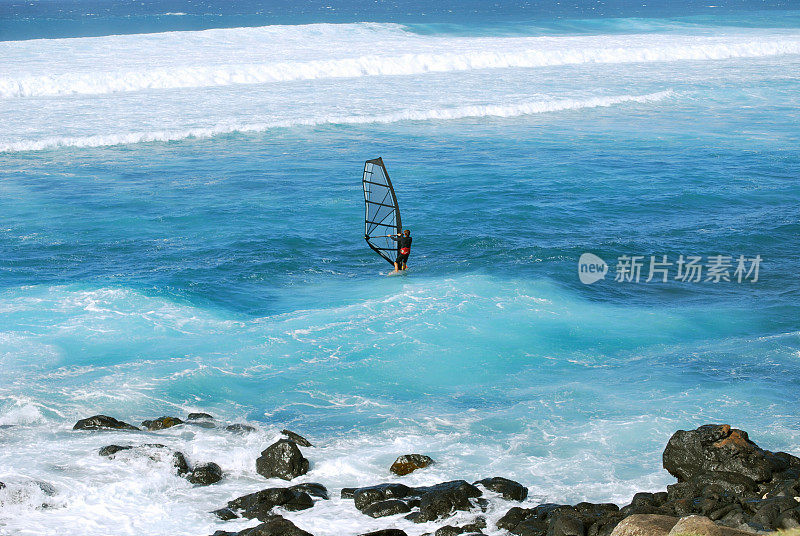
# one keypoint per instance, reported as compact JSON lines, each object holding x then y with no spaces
{"x":95,"y":83}
{"x":440,"y":114}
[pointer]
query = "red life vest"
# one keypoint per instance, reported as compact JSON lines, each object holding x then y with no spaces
{"x":405,"y":251}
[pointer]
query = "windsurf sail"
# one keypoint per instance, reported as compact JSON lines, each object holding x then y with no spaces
{"x":381,"y":213}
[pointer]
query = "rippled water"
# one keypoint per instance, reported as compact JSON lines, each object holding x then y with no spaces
{"x":181,"y":230}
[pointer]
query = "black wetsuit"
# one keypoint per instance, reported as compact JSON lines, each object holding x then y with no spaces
{"x":402,"y":242}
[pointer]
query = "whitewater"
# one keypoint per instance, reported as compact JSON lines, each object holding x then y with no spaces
{"x":181,"y":230}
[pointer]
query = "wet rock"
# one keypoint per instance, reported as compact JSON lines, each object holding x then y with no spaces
{"x":718,"y":447}
{"x":645,"y":525}
{"x":386,"y":508}
{"x":312,"y":488}
{"x":180,"y":463}
{"x":239,"y":428}
{"x":409,"y":463}
{"x":593,"y":511}
{"x":102,"y":422}
{"x":604,"y":526}
{"x":206,"y":474}
{"x":565,"y":522}
{"x":225,"y":514}
{"x":274,"y":526}
{"x":199,"y":417}
{"x":110,"y":450}
{"x":297,"y":438}
{"x":514,"y":517}
{"x":363,"y":497}
{"x":2,"y":485}
{"x":470,"y":528}
{"x":259,"y":505}
{"x":442,"y":500}
{"x":768,"y":512}
{"x":647,"y":503}
{"x":151,"y":450}
{"x":529,"y":521}
{"x":531,"y":527}
{"x":282,"y":460}
{"x":347,"y":493}
{"x":385,"y":532}
{"x":161,"y":423}
{"x":511,"y":490}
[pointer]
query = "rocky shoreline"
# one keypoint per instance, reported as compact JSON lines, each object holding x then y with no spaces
{"x":726,"y":486}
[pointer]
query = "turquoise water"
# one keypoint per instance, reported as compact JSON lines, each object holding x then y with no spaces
{"x":181,"y":230}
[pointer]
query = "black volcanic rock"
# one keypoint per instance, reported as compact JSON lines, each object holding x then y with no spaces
{"x":474,"y":527}
{"x":239,"y":428}
{"x":363,"y":497}
{"x":312,"y":488}
{"x":297,"y":438}
{"x":274,"y":526}
{"x":110,"y":450}
{"x":282,"y":460}
{"x":102,"y":422}
{"x":720,"y":448}
{"x":511,"y":490}
{"x":386,"y":508}
{"x":161,"y":423}
{"x":260,"y":504}
{"x":208,"y":473}
{"x":199,"y":416}
{"x":408,"y":463}
{"x":565,"y":522}
{"x":442,"y":500}
{"x":151,"y":451}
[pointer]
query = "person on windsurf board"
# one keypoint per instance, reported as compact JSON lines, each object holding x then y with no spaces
{"x":403,"y":249}
{"x":382,"y":214}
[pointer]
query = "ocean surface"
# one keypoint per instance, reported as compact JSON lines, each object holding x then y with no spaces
{"x":181,"y":229}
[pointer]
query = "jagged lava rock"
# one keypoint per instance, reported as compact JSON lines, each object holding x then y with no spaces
{"x":259,"y":504}
{"x":363,"y":497}
{"x":442,"y":500}
{"x":720,"y":448}
{"x":297,"y":438}
{"x":238,"y":428}
{"x":274,"y":525}
{"x":386,"y":508}
{"x":409,"y":463}
{"x":102,"y":422}
{"x":312,"y":488}
{"x":511,"y":490}
{"x":206,"y":474}
{"x":282,"y":460}
{"x":178,"y":458}
{"x":161,"y":423}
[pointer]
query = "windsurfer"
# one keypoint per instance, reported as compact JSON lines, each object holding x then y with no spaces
{"x":403,"y":249}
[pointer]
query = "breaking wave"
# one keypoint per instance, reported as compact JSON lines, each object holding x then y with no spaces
{"x":460,"y":112}
{"x":96,"y":83}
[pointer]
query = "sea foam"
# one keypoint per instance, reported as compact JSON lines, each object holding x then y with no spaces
{"x":97,"y":83}
{"x":440,"y":114}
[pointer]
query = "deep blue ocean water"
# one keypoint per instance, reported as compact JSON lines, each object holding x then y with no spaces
{"x":181,"y":229}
